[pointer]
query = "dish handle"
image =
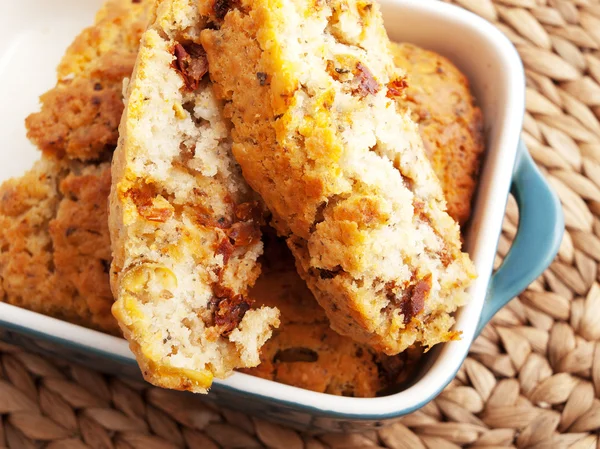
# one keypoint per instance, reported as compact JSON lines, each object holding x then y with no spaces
{"x":540,"y":231}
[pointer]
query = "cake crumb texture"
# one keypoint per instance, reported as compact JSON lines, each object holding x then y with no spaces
{"x":341,"y":166}
{"x":305,"y":352}
{"x":185,"y":227}
{"x":450,"y":123}
{"x":55,"y":248}
{"x":30,"y":204}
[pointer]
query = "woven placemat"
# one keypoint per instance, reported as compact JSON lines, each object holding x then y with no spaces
{"x":532,"y":379}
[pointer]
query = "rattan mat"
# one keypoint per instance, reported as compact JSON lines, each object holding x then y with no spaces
{"x":532,"y":379}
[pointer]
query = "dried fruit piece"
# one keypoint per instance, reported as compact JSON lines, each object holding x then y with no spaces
{"x":244,"y":233}
{"x":414,"y":298}
{"x":151,"y":206}
{"x":396,"y":87}
{"x":191,"y":62}
{"x":367,"y":84}
{"x":230,"y":313}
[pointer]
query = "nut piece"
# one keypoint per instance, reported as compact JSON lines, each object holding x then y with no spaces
{"x":143,"y":280}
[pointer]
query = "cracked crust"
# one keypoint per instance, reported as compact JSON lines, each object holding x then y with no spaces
{"x":80,"y":115}
{"x":185,"y":227}
{"x":341,"y":167}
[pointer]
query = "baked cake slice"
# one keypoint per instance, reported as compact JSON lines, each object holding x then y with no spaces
{"x":305,"y":352}
{"x":185,"y":227}
{"x":55,"y":250}
{"x":310,"y":88}
{"x":79,"y":117}
{"x":450,"y":123}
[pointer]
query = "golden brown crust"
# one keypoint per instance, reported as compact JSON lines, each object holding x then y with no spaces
{"x":450,"y":123}
{"x":79,"y":117}
{"x":55,"y":247}
{"x":29,"y":204}
{"x":56,"y":251}
{"x":80,"y":241}
{"x":305,"y":352}
{"x":340,"y":166}
{"x":185,"y":238}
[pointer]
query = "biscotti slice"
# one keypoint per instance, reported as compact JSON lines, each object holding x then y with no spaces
{"x":305,"y":352}
{"x":55,"y":249}
{"x":318,"y":134}
{"x":450,"y":123}
{"x":185,"y":227}
{"x":55,"y":254}
{"x":79,"y":117}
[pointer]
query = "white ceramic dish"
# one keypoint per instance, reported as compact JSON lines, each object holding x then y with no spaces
{"x":39,"y":30}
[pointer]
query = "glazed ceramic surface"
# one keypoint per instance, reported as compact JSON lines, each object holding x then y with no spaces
{"x":42,"y":28}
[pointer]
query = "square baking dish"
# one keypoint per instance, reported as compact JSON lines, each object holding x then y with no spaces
{"x":494,"y":69}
